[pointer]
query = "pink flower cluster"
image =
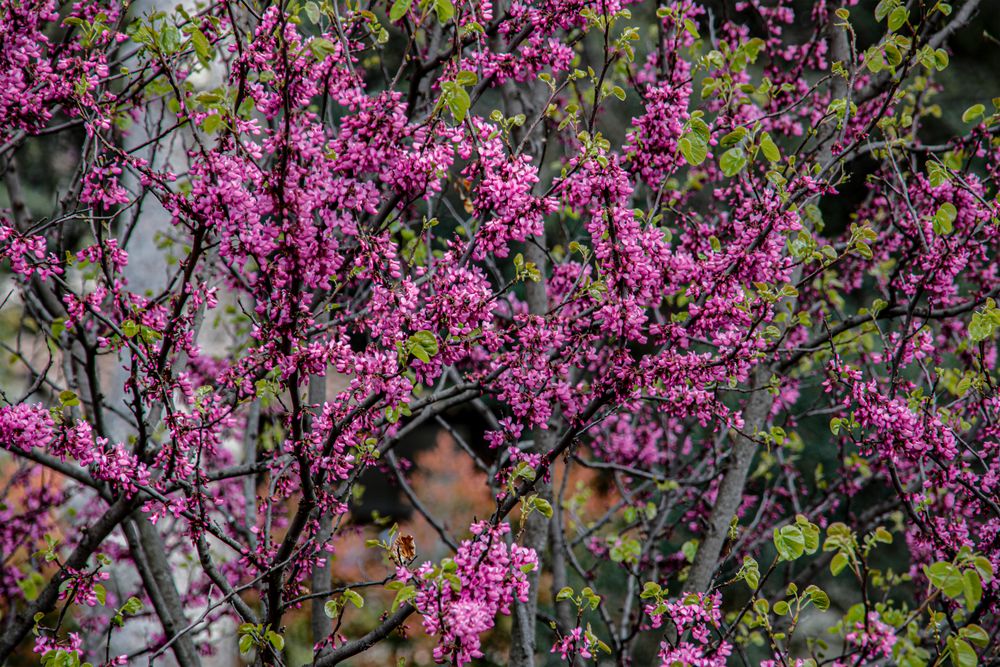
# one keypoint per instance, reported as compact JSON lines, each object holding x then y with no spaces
{"x":697,"y":614}
{"x":39,"y":77}
{"x":503,"y":194}
{"x":24,"y":427}
{"x":576,"y":644}
{"x":899,"y":432}
{"x":73,"y":643}
{"x":45,"y":643}
{"x":873,"y":637}
{"x":490,"y":576}
{"x":27,"y":254}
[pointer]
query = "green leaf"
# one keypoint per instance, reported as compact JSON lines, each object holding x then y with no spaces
{"x":882,"y":535}
{"x":423,"y":345}
{"x":399,"y":9}
{"x":946,"y":577}
{"x":275,"y":640}
{"x":321,"y":47}
{"x":975,"y":634}
{"x":898,"y":17}
{"x":405,"y":594}
{"x":130,"y":329}
{"x":750,"y":572}
{"x":466,"y":78}
{"x":973,"y":113}
{"x":818,"y":597}
{"x":58,"y":326}
{"x":700,"y":128}
{"x":883,"y":8}
{"x":332,"y":608}
{"x":211,"y":123}
{"x":132,"y":606}
{"x":565,"y":593}
{"x":426,"y":339}
{"x":973,"y":589}
{"x":457,"y":99}
{"x":769,"y":148}
{"x":781,"y":608}
{"x":100,"y":593}
{"x":984,"y":567}
{"x":544,"y":507}
{"x":733,"y":161}
{"x":810,"y":533}
{"x":170,"y":39}
{"x":202,"y":48}
{"x":789,"y":542}
{"x":980,"y":328}
{"x":733,"y":138}
{"x":944,"y":219}
{"x":693,"y":148}
{"x":752,"y":48}
{"x":246,"y":108}
{"x":246,"y":643}
{"x":524,"y":471}
{"x":893,"y":54}
{"x":30,"y":586}
{"x":592,"y":598}
{"x":444,"y":9}
{"x":649,"y":590}
{"x":941,"y":60}
{"x":68,"y":398}
{"x":354,"y":598}
{"x":149,"y":334}
{"x":313,"y":11}
{"x":962,"y":653}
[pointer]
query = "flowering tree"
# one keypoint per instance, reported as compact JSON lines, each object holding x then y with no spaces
{"x":760,"y":322}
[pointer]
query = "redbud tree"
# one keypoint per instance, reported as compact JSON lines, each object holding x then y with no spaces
{"x":716,"y":281}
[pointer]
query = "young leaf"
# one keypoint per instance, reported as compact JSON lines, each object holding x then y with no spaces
{"x":693,"y":148}
{"x":962,"y":654}
{"x":769,"y":148}
{"x":897,"y":18}
{"x":399,"y":9}
{"x":789,"y":542}
{"x":444,"y":9}
{"x":733,"y":161}
{"x":354,"y":598}
{"x":944,"y":219}
{"x":973,"y":113}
